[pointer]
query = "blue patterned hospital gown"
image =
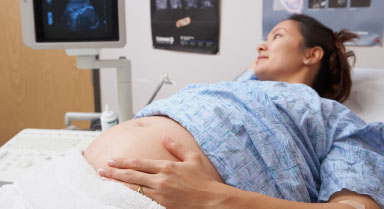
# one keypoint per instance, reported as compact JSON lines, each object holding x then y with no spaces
{"x":280,"y":139}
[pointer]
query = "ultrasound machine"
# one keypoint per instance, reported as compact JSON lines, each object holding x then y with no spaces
{"x":82,"y":28}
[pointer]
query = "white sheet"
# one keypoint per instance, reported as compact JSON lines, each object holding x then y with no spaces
{"x":70,"y":183}
{"x":367,"y":95}
{"x":10,"y":199}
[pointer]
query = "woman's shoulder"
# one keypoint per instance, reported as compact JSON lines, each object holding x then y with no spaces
{"x":276,"y":91}
{"x":223,"y":86}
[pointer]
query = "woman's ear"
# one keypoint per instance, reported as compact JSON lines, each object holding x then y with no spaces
{"x":313,"y":55}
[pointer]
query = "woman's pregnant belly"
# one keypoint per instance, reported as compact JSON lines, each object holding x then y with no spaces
{"x":142,"y":139}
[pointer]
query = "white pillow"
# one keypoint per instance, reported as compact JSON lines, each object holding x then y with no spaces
{"x":367,"y":94}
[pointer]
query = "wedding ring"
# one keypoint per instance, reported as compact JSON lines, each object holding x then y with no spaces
{"x":140,"y":190}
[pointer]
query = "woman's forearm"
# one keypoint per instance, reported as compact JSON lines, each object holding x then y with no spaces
{"x":227,"y":197}
{"x":187,"y":184}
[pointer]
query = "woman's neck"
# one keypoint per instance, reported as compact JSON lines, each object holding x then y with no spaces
{"x":306,"y":75}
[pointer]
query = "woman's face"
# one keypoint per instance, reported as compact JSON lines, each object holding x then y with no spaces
{"x":281,"y":56}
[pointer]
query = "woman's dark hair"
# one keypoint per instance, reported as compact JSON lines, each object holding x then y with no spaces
{"x":333,"y":80}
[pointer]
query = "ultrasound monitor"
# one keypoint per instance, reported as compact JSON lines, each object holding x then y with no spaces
{"x":73,"y":24}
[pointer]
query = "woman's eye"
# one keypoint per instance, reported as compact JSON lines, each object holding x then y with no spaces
{"x":276,"y":36}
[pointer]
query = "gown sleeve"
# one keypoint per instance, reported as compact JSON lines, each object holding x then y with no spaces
{"x":355,"y":160}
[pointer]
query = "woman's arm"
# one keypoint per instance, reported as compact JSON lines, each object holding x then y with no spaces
{"x":185,"y":185}
{"x":234,"y":198}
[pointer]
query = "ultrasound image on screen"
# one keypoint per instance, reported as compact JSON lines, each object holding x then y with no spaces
{"x":80,"y":15}
{"x":76,"y":20}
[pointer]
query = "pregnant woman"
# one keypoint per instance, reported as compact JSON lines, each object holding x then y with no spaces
{"x":278,"y":139}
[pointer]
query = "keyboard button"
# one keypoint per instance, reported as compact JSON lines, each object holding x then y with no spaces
{"x":25,"y":164}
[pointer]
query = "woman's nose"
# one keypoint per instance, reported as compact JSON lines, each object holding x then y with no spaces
{"x":261,"y":47}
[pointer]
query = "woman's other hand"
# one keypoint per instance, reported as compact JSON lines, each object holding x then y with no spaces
{"x":184,"y":184}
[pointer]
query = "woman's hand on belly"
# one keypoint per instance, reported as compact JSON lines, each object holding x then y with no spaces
{"x":172,"y":184}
